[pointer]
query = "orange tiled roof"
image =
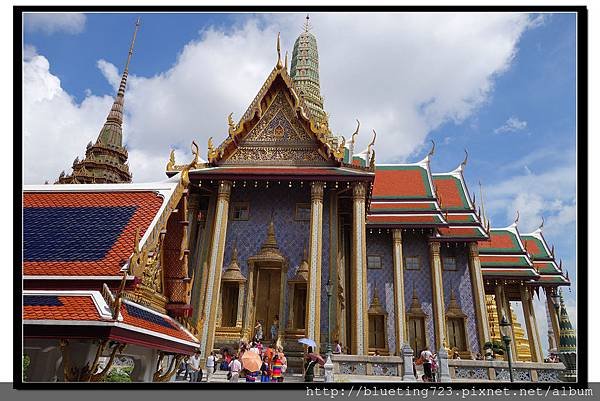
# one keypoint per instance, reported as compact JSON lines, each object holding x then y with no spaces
{"x":144,"y":206}
{"x":450,"y":192}
{"x":402,"y":182}
{"x":72,"y":308}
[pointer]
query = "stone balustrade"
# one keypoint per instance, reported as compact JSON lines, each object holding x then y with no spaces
{"x":459,"y":370}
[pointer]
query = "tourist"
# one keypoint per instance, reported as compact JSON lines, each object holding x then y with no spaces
{"x":275,"y":328}
{"x":235,"y":368}
{"x":258,"y":330}
{"x":338,"y":347}
{"x":264,"y":370}
{"x":194,"y":367}
{"x":283,"y":359}
{"x":276,"y":365}
{"x":309,"y":366}
{"x":254,"y":348}
{"x":210,"y":365}
{"x":183,"y":368}
{"x":250,"y":376}
{"x":426,"y":356}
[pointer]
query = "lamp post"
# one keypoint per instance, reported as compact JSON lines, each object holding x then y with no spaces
{"x":505,"y":331}
{"x":329,"y":289}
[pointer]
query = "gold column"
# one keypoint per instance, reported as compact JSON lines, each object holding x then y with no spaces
{"x":533,"y":335}
{"x":248,"y":321}
{"x":282,"y":294}
{"x":215,"y":267}
{"x":503,"y":310}
{"x":240,"y":305}
{"x":313,"y":312}
{"x":360,"y":338}
{"x":478,"y":296}
{"x":400,"y":311}
{"x":439,"y":309}
{"x":553,"y":317}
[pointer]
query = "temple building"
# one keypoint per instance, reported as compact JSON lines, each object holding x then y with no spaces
{"x":285,"y":225}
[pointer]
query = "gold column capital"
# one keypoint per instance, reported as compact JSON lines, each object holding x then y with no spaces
{"x":397,"y":235}
{"x":359,"y":191}
{"x":434,"y":246}
{"x":316,"y":190}
{"x":224,"y":189}
{"x":473,"y":249}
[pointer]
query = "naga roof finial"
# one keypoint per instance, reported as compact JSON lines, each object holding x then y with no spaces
{"x":279,"y":64}
{"x":517,"y":218}
{"x":463,"y":164}
{"x":354,"y":135}
{"x":432,"y":151}
{"x":541,"y":225}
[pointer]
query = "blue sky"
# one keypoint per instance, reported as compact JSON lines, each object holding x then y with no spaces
{"x":501,"y":86}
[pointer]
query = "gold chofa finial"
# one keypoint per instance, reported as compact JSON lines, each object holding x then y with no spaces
{"x":279,"y":64}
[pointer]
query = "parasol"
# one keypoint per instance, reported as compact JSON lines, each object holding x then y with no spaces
{"x":251,"y":361}
{"x":308,"y":341}
{"x":317,"y":358}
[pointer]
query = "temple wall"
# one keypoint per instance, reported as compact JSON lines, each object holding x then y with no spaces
{"x":460,"y":281}
{"x":415,"y":244}
{"x":292,"y":235}
{"x":380,"y":244}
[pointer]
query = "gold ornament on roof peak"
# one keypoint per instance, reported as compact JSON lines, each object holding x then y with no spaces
{"x":195,"y":152}
{"x":171,"y":163}
{"x":279,"y":64}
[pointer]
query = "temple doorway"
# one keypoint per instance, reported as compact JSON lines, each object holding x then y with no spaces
{"x":267,"y":300}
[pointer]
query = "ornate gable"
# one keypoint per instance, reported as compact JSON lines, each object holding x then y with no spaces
{"x":278,"y":138}
{"x":277,"y":129}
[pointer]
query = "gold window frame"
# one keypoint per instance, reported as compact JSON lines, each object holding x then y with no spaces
{"x":303,"y":206}
{"x":418,"y":257}
{"x":369,"y":264}
{"x":240,"y":204}
{"x":444,"y":267}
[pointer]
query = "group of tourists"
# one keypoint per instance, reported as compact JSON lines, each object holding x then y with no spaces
{"x":255,"y":362}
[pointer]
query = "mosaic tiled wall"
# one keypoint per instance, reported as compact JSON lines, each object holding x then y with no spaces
{"x":414,"y":243}
{"x":380,"y":244}
{"x":292,"y":235}
{"x":460,"y":281}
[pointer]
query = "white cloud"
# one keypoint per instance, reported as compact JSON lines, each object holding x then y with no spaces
{"x":513,"y":124}
{"x":55,"y":127}
{"x":110,"y":72}
{"x":50,"y":23}
{"x":402,"y":74}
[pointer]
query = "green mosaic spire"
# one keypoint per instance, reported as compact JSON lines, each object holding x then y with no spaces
{"x":304,"y":71}
{"x":567,"y":333}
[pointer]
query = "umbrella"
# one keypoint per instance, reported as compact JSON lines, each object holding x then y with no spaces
{"x":317,"y":358}
{"x":251,"y":361}
{"x":308,"y":341}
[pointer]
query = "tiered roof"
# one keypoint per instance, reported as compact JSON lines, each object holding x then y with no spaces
{"x":87,"y":313}
{"x":542,"y":256}
{"x":81,"y":236}
{"x":404,"y":195}
{"x":75,"y":231}
{"x":464,"y":222}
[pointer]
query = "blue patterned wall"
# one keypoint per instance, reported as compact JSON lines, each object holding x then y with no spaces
{"x":292,"y":235}
{"x":460,"y":281}
{"x":379,"y":243}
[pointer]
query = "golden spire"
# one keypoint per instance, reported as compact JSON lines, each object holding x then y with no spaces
{"x":285,"y":63}
{"x":279,"y":64}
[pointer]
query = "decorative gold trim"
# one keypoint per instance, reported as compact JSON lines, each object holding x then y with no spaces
{"x":86,"y":373}
{"x":159,"y":375}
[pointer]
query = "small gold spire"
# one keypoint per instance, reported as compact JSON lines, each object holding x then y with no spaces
{"x":285,"y":64}
{"x":279,"y":64}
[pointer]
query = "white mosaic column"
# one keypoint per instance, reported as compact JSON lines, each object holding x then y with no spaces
{"x":215,"y":267}
{"x":439,"y":309}
{"x":483,"y":327}
{"x":399,"y":309}
{"x":360,"y":338}
{"x":313,"y":319}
